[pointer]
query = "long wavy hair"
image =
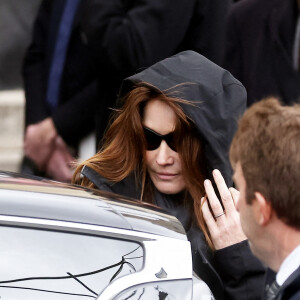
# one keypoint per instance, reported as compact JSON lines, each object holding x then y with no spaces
{"x":124,"y":150}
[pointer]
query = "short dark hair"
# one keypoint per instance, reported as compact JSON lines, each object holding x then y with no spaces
{"x":267,"y":146}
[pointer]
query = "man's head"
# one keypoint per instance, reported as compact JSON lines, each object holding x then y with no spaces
{"x":265,"y":155}
{"x":267,"y":147}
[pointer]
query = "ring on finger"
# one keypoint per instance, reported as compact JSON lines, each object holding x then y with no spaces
{"x":218,"y":216}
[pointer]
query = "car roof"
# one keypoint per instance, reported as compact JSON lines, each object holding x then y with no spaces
{"x":35,"y":197}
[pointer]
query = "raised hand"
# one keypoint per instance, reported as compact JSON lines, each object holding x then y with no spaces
{"x":223,"y":224}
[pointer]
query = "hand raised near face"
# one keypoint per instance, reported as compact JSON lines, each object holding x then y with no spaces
{"x":223,"y":224}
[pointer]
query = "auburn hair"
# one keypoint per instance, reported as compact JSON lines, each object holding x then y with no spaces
{"x":124,"y":150}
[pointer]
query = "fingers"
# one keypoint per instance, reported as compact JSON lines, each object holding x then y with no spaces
{"x":214,"y":202}
{"x":208,"y":217}
{"x":38,"y":145}
{"x":235,"y":195}
{"x":63,"y":148}
{"x":224,"y":225}
{"x":225,"y":194}
{"x":58,"y":168}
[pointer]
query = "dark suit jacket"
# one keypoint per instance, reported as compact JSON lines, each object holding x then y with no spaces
{"x":74,"y":116}
{"x":290,"y":290}
{"x":260,"y":36}
{"x":114,"y":38}
{"x":126,"y":36}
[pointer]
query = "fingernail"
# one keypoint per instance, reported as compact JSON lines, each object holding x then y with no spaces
{"x":206,"y":182}
{"x":216,"y":172}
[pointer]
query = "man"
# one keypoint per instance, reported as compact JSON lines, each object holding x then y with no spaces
{"x":263,"y":40}
{"x":60,"y":87}
{"x":265,"y":155}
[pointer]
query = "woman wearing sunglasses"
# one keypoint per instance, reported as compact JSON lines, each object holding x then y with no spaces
{"x":175,"y":125}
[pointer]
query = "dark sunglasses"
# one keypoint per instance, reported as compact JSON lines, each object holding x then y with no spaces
{"x":154,"y":139}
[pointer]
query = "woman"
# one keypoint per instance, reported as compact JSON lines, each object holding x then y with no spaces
{"x":175,"y":126}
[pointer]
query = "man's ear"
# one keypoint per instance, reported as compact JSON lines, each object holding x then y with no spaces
{"x":263,"y":209}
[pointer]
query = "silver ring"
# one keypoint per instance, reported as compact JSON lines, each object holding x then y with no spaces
{"x":223,"y":213}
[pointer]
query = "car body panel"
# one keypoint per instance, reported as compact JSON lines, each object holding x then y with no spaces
{"x":57,"y":201}
{"x":49,"y":217}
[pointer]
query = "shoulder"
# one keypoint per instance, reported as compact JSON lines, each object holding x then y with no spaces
{"x":127,"y":187}
{"x":230,"y":259}
{"x":100,"y":182}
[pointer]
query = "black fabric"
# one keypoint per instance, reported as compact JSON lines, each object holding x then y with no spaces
{"x":126,"y":36}
{"x":79,"y":88}
{"x":127,"y":187}
{"x":260,"y":36}
{"x":111,"y":40}
{"x":219,"y":100}
{"x":290,"y":290}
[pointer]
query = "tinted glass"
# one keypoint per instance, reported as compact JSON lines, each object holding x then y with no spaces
{"x":39,"y":264}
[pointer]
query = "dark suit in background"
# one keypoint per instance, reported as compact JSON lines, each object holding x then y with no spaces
{"x":126,"y":36}
{"x":77,"y":95}
{"x":259,"y":52}
{"x":111,"y":40}
{"x":78,"y":89}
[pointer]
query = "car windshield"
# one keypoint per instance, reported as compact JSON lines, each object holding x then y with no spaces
{"x":42,"y":264}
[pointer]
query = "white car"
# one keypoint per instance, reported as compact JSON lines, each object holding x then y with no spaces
{"x":62,"y":241}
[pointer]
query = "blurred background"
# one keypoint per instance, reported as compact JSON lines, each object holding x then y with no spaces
{"x":16,"y":20}
{"x":94,"y":67}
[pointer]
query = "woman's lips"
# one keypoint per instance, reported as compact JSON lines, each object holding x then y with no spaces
{"x":166,"y":176}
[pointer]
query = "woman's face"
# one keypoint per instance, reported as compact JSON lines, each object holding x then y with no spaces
{"x":163,"y":163}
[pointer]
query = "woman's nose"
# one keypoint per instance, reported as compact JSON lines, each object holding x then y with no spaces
{"x":164,"y":154}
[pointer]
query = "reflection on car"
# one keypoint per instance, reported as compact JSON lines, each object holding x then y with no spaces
{"x":62,"y":241}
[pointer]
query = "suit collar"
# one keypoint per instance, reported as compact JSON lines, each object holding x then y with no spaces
{"x":290,"y":286}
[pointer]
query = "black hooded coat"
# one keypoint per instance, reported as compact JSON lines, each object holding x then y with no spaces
{"x":220,"y":99}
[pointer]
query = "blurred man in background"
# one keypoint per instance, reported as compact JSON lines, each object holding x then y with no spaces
{"x":263,"y":41}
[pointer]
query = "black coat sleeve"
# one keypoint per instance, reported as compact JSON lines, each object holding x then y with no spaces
{"x":233,"y":52}
{"x":232,"y":273}
{"x":34,"y":68}
{"x":243,"y":275}
{"x":133,"y":34}
{"x":74,"y":116}
{"x":208,"y":29}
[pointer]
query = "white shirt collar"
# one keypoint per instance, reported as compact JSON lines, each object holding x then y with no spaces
{"x":289,"y":265}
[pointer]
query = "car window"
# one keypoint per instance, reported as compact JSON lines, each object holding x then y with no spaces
{"x":41,"y":264}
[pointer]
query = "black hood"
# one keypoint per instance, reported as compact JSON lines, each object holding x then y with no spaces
{"x":219,"y":100}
